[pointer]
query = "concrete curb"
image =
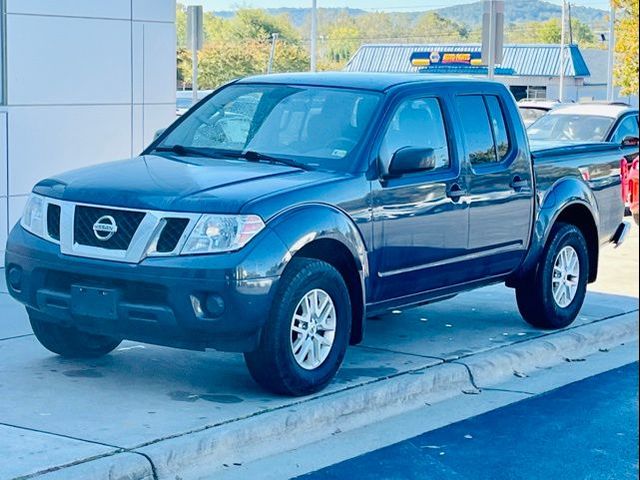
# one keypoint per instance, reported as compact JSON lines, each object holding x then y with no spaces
{"x":119,"y":466}
{"x":204,"y":451}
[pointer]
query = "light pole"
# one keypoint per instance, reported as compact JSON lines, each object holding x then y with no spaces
{"x":562,"y":51}
{"x":611,"y":52}
{"x":314,"y":35}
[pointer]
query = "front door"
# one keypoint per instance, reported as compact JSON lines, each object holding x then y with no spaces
{"x":420,"y":218}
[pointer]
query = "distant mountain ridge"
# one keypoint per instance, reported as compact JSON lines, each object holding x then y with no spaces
{"x":470,"y":14}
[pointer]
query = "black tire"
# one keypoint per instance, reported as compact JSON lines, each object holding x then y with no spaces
{"x":535,"y":295}
{"x":273,"y":364}
{"x":68,"y":341}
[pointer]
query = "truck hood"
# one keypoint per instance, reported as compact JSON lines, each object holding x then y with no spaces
{"x":180,"y":184}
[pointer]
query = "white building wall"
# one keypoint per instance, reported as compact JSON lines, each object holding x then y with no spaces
{"x":87,"y":81}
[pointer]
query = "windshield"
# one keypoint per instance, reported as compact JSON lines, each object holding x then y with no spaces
{"x":571,"y":128}
{"x":531,"y":114}
{"x":314,"y":126}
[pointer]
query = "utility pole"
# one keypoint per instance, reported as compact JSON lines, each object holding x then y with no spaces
{"x":562,"y":50}
{"x":314,"y":35}
{"x":272,"y":54}
{"x":492,"y":35}
{"x":570,"y":25}
{"x":195,"y":39}
{"x":611,"y":53}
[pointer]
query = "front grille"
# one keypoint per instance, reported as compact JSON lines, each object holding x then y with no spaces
{"x":53,"y":221}
{"x":171,"y":234}
{"x":127,"y":223}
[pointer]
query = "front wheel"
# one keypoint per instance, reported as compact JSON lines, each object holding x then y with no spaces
{"x":552,"y":296}
{"x":70,"y":342}
{"x":306,"y":336}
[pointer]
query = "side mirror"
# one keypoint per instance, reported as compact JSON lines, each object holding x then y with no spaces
{"x":630,"y":141}
{"x":158,"y":133}
{"x":411,"y":160}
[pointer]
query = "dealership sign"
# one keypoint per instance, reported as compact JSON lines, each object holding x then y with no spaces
{"x":446,"y":59}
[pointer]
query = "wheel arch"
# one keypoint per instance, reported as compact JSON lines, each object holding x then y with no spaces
{"x":569,"y":200}
{"x":326,"y":233}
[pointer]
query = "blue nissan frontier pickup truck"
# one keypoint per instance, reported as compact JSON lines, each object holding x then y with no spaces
{"x":282,"y":210}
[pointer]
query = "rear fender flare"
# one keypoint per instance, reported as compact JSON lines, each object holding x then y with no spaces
{"x":564,"y":193}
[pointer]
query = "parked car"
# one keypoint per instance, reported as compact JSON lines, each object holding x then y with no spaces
{"x":630,"y":188}
{"x":589,"y":122}
{"x":279,"y":240}
{"x":532,"y":110}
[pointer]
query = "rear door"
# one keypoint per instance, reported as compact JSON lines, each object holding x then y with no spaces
{"x":499,"y":183}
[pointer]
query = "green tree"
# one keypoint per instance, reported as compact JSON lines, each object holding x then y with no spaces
{"x":626,"y":70}
{"x":343,"y":39}
{"x":550,"y":31}
{"x":433,"y":28}
{"x":257,"y":24}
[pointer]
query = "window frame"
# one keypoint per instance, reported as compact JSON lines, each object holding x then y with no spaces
{"x":509,"y":157}
{"x":454,"y":164}
{"x":3,"y":53}
{"x":619,"y":123}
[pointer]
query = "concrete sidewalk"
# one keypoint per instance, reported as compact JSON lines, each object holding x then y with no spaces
{"x":152,"y":412}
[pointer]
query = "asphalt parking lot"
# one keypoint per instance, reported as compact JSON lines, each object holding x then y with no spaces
{"x":145,"y":411}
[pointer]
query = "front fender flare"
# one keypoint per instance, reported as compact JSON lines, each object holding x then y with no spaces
{"x":302,"y":225}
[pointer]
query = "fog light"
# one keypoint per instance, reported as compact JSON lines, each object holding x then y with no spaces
{"x":197,"y":306}
{"x":214,"y":306}
{"x":14,"y":277}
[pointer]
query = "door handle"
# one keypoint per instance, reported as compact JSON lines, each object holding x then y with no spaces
{"x":455,"y":192}
{"x":518,"y":183}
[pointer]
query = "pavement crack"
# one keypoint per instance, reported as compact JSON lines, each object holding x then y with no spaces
{"x":508,"y":390}
{"x":152,"y":465}
{"x":471,"y":379}
{"x":116,"y":449}
{"x":387,"y":350}
{"x":16,"y":336}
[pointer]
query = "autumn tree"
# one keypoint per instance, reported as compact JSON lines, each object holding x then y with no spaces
{"x":626,"y":71}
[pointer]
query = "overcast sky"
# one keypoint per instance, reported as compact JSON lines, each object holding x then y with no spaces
{"x":382,"y":5}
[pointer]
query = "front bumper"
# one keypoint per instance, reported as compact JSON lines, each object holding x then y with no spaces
{"x":152,"y":300}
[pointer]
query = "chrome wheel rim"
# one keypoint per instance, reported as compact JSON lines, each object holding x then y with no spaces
{"x":313,"y":328}
{"x":566,"y":276}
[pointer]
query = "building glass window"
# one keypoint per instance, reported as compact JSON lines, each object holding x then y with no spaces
{"x":2,"y":52}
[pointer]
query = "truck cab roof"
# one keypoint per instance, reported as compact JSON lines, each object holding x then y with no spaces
{"x":366,"y":81}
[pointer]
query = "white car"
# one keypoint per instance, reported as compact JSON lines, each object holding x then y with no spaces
{"x":532,"y":110}
{"x":588,"y":123}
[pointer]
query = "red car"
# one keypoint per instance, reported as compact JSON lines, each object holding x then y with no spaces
{"x":629,"y":172}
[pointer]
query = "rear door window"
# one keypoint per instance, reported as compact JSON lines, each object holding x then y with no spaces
{"x":476,"y":129}
{"x":484,"y":129}
{"x":499,"y":127}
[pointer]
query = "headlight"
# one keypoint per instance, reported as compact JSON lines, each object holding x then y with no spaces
{"x":34,"y":215}
{"x":222,"y":233}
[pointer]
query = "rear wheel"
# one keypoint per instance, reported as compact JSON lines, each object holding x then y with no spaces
{"x":553,"y":295}
{"x":68,"y":341}
{"x":306,"y":336}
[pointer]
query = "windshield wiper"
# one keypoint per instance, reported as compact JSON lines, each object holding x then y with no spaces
{"x":182,"y":150}
{"x":249,"y":155}
{"x":254,"y":156}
